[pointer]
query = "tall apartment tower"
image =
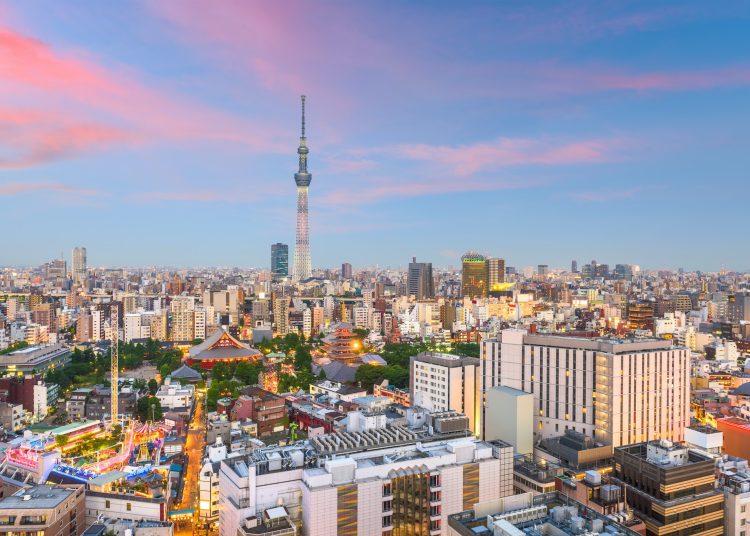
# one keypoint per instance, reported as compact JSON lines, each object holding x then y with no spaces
{"x":474,"y":275}
{"x":496,"y":268}
{"x":279,"y":260}
{"x":419,"y":282}
{"x":346,"y":271}
{"x":574,"y":266}
{"x":619,"y":392}
{"x":78,"y":265}
{"x":302,"y":261}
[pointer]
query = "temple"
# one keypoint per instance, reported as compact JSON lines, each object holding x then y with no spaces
{"x":221,"y":347}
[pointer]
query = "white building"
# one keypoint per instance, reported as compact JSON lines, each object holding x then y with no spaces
{"x":441,"y":382}
{"x":175,"y":396}
{"x":618,"y":391}
{"x":334,"y":489}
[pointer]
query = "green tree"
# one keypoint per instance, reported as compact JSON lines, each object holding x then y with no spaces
{"x":248,"y":373}
{"x":221,"y":372}
{"x":291,"y":382}
{"x":62,"y":440}
{"x":470,"y":349}
{"x":220,"y":389}
{"x":302,"y":358}
{"x":153,"y":386}
{"x":149,"y":409}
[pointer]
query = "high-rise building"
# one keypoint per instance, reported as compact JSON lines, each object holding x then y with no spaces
{"x":78,"y":266}
{"x":574,"y":267}
{"x":441,"y":382}
{"x":279,"y":260}
{"x":419,"y":281}
{"x":346,"y":271}
{"x":542,"y":270}
{"x":619,"y":392}
{"x":474,"y":275}
{"x":496,"y":269}
{"x":302,"y":261}
{"x":738,"y":309}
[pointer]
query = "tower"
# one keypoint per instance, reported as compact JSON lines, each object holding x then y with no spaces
{"x":302,"y":262}
{"x":78,"y":266}
{"x":115,"y":365}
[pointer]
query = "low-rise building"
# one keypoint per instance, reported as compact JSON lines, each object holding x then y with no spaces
{"x":175,"y":396}
{"x":44,"y":509}
{"x":336,"y":390}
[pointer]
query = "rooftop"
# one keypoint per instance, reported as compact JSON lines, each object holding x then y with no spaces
{"x":39,"y":496}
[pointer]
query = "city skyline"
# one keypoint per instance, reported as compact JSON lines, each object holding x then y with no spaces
{"x":536,"y":136}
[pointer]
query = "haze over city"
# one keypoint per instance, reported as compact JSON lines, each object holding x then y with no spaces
{"x":161,"y":133}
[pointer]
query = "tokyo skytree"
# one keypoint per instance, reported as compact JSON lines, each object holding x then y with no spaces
{"x":302,"y":263}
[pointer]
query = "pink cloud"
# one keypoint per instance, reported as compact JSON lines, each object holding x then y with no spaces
{"x":9,"y":189}
{"x":465,"y":160}
{"x":66,"y":104}
{"x":379,"y":189}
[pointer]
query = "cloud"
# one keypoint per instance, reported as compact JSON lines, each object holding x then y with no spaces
{"x":465,"y":160}
{"x":59,"y":104}
{"x":11,"y":189}
{"x":375,"y":190}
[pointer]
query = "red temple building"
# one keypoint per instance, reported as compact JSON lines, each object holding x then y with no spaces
{"x":221,"y":347}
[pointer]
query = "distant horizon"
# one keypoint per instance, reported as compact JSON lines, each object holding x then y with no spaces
{"x":162,"y":133}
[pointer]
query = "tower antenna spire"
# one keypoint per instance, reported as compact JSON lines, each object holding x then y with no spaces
{"x":303,"y":116}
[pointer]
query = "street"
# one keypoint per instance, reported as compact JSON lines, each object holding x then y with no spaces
{"x":194,"y":446}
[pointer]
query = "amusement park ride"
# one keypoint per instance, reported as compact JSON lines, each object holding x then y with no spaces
{"x":137,"y":451}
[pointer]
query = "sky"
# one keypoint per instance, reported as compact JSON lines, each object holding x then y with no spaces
{"x":164,"y":132}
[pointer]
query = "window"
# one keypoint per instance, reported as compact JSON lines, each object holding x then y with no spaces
{"x":387,"y":489}
{"x":387,"y":506}
{"x":106,"y":504}
{"x":128,"y":507}
{"x":387,"y":521}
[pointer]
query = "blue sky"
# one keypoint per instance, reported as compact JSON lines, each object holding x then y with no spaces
{"x":164,"y":133}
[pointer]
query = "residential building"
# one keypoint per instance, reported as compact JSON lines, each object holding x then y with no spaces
{"x":44,"y":509}
{"x":78,"y":266}
{"x":496,"y":271}
{"x":346,"y":271}
{"x":440,"y":382}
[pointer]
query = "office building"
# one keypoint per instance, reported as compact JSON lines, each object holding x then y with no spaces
{"x":496,"y":270}
{"x":393,"y":480}
{"x":45,"y":510}
{"x":474,"y":275}
{"x":419,"y":280}
{"x":279,"y":261}
{"x":670,"y":487}
{"x":346,"y":271}
{"x":78,"y":266}
{"x":618,"y":391}
{"x":441,"y":382}
{"x":542,"y":270}
{"x":302,"y":261}
{"x":574,"y":267}
{"x":738,"y":308}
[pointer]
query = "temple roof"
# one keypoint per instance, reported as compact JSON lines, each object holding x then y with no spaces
{"x":186,"y":373}
{"x":221,"y":345}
